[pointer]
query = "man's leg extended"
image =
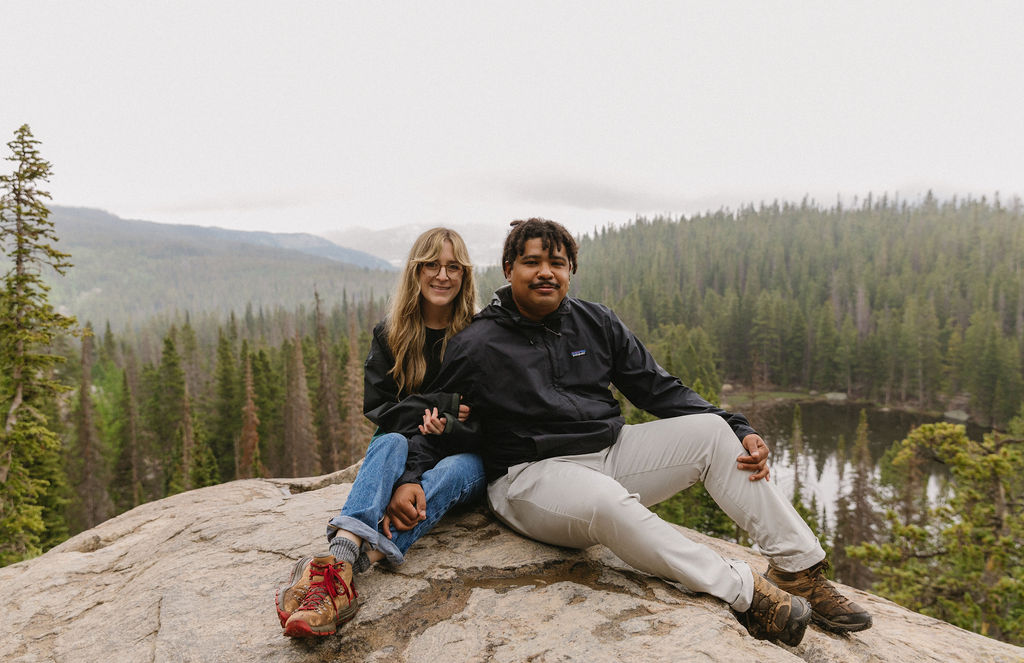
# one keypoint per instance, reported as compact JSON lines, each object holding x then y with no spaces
{"x":657,"y":459}
{"x":565,"y":501}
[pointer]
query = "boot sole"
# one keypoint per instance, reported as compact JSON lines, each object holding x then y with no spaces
{"x":836,"y":627}
{"x":300,"y":629}
{"x":300,"y":566}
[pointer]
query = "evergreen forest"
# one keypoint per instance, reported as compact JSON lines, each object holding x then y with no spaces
{"x":904,"y":304}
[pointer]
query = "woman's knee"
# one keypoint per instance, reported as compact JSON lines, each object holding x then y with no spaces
{"x":461,"y":473}
{"x":466,"y":463}
{"x":388,"y":450}
{"x":389,"y":443}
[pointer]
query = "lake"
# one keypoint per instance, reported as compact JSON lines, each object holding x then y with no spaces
{"x":823,"y":423}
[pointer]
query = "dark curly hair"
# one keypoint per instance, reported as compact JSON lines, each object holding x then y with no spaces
{"x":550,"y":234}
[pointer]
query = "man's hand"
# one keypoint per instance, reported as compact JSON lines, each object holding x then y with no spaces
{"x":407,"y":508}
{"x":463,"y":412}
{"x":757,"y":460}
{"x":433,"y":424}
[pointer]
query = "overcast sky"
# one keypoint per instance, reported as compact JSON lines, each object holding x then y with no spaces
{"x":318,"y":116}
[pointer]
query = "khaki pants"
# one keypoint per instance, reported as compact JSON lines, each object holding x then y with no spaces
{"x":602,"y":497}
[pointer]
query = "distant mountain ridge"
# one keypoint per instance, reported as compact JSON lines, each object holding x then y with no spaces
{"x":75,"y":223}
{"x":126,"y":271}
{"x":392,"y":244}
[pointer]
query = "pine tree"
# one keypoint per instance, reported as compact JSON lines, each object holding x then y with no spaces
{"x":302,"y":451}
{"x":249,"y":464}
{"x":227,"y":418}
{"x":857,"y":520}
{"x":165,"y":408}
{"x":30,"y":474}
{"x":204,"y":470}
{"x":328,"y":418}
{"x":87,"y":460}
{"x":268,"y":381}
{"x":964,"y":563}
{"x":126,"y":485}
{"x":357,"y":430}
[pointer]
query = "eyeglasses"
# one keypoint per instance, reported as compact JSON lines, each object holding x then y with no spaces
{"x":433,"y":268}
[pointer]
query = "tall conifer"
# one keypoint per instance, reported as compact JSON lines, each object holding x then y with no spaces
{"x":227,"y":416}
{"x":30,"y":476}
{"x":126,"y":486}
{"x":87,"y":463}
{"x":249,"y":464}
{"x":328,"y":417}
{"x":301,"y":447}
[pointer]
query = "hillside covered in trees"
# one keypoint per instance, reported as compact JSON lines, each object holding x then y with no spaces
{"x":916,"y":304}
{"x":128,"y":271}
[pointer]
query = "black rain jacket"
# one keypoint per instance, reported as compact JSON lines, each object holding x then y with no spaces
{"x":541,"y":389}
{"x":395,"y":412}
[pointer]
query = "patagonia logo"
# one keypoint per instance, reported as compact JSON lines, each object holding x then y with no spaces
{"x":578,"y":353}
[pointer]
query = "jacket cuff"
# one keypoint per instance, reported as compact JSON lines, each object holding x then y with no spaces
{"x":410,"y":476}
{"x":450,"y":412}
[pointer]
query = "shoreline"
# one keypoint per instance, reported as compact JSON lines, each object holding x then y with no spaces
{"x":746,"y":399}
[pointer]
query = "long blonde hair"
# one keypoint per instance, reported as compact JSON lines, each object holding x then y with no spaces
{"x":405,"y":326}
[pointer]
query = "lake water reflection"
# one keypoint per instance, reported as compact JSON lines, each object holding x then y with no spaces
{"x":823,"y":423}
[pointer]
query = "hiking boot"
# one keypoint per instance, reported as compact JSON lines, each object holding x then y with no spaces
{"x":289,"y":596}
{"x":831,"y":610}
{"x":774,"y":614}
{"x":330,"y":600}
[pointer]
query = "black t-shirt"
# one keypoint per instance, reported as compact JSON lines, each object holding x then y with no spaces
{"x":432,"y":353}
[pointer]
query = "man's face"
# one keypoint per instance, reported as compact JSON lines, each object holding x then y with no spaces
{"x":539,"y":278}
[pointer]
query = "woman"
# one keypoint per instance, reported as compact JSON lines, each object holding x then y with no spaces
{"x":434,"y":300}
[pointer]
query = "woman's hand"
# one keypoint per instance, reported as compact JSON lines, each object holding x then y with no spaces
{"x":433,"y":424}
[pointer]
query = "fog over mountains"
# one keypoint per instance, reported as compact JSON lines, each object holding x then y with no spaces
{"x":392,"y":244}
{"x":128,"y":270}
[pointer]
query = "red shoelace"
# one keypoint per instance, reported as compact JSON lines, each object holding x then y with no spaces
{"x":326,"y":587}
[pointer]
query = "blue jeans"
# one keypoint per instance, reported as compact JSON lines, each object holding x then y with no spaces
{"x":456,"y":479}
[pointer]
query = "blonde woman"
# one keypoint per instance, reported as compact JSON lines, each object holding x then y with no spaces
{"x":389,"y":508}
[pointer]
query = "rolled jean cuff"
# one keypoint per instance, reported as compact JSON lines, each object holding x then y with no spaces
{"x":371,"y":537}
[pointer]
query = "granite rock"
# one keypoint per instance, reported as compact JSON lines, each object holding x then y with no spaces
{"x":192,"y":578}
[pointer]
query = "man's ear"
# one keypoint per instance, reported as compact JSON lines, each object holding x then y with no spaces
{"x":507,"y":267}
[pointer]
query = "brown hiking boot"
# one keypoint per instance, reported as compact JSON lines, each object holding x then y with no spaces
{"x":832,"y":611}
{"x":330,"y":600}
{"x":774,"y":614}
{"x":289,"y":596}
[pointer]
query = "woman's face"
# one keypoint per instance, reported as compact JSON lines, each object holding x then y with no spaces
{"x":441,"y":280}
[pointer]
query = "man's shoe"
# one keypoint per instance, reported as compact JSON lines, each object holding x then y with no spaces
{"x":330,"y":600}
{"x":289,"y":596}
{"x":831,"y":610}
{"x":774,"y":614}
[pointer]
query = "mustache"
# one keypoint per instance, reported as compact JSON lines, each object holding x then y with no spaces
{"x":545,"y":284}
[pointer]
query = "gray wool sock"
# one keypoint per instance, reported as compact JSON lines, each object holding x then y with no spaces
{"x":344,"y":550}
{"x":347,"y":551}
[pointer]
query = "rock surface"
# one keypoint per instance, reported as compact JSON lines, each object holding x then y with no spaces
{"x":192,"y":578}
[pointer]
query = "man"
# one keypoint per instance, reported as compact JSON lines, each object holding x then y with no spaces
{"x":562,"y":467}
